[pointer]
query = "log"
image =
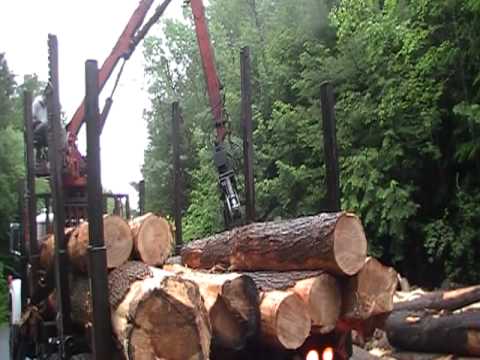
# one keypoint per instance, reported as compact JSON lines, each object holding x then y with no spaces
{"x":330,"y":241}
{"x":117,"y":237}
{"x":232,"y":303}
{"x":429,"y":331}
{"x":47,"y":249}
{"x":319,"y":291}
{"x":280,"y":280}
{"x":442,"y":300}
{"x":158,"y":315}
{"x":118,"y":241}
{"x":323,"y":298}
{"x":369,"y":293}
{"x":153,"y":239}
{"x":285,"y":321}
{"x":80,"y":302}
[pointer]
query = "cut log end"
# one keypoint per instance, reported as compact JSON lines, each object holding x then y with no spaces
{"x":153,"y":239}
{"x":163,"y":317}
{"x":323,"y":298}
{"x":350,"y":244}
{"x":284,"y":319}
{"x":155,"y":319}
{"x":232,"y":304}
{"x":118,"y":240}
{"x":370,"y":292}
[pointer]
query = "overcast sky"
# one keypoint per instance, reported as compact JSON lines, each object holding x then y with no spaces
{"x":86,"y":29}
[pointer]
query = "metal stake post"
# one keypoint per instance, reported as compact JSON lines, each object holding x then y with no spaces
{"x":141,"y":197}
{"x":330,"y":146}
{"x":30,"y":222}
{"x":247,"y":134}
{"x":177,"y":185}
{"x":55,"y":156}
{"x":101,"y":339}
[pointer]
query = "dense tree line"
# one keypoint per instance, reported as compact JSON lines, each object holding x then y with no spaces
{"x":406,"y":75}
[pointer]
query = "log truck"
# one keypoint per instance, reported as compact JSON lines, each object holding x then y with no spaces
{"x":69,"y":173}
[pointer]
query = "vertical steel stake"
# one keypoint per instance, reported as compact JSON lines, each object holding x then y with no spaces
{"x":30,"y":221}
{"x":330,"y":146}
{"x":141,"y":197}
{"x":55,"y":156}
{"x":177,"y":173}
{"x":247,"y":134}
{"x":102,"y":331}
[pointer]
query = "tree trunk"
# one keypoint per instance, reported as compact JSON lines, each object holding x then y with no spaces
{"x":153,"y":239}
{"x":369,"y":293}
{"x":435,"y":332}
{"x":319,"y":291}
{"x":118,"y":241}
{"x":232,"y":304}
{"x":284,"y":319}
{"x":442,"y":300}
{"x":331,"y":241}
{"x":157,"y":315}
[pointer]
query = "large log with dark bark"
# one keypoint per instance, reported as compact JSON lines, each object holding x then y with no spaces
{"x":153,"y":239}
{"x":442,"y":300}
{"x":158,"y":315}
{"x":319,"y":291}
{"x":80,"y":302}
{"x":434,"y":332}
{"x":232,"y":303}
{"x":330,"y":241}
{"x":285,"y":321}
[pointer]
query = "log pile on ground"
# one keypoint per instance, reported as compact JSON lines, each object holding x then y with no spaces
{"x":436,"y":322}
{"x":276,"y":284}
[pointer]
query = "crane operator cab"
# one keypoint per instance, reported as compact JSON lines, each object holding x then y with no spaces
{"x":40,"y":127}
{"x":40,"y":132}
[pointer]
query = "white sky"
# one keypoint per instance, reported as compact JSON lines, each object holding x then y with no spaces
{"x":86,"y":29}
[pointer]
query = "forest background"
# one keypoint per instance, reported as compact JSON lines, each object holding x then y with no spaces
{"x":407,"y":81}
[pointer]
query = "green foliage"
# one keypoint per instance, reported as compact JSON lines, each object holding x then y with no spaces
{"x":204,"y":215}
{"x":407,"y":80}
{"x":11,"y":149}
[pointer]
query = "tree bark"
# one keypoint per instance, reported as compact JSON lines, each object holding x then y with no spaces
{"x":428,"y":331}
{"x":80,"y":302}
{"x":280,"y":280}
{"x":47,"y":249}
{"x":232,"y":304}
{"x":153,"y":239}
{"x":285,"y":321}
{"x":157,"y":315}
{"x":369,"y":293}
{"x":331,"y":241}
{"x":442,"y":300}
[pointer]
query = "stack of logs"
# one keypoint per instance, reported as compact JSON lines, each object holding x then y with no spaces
{"x":436,"y":322}
{"x":275,"y":283}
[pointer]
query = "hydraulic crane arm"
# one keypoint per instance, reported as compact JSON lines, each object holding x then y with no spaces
{"x":126,"y":44}
{"x":209,"y":69}
{"x":226,"y":176}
